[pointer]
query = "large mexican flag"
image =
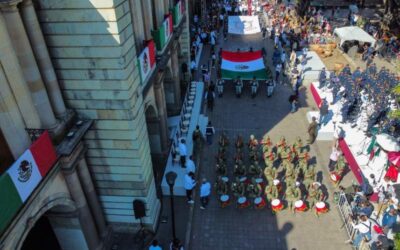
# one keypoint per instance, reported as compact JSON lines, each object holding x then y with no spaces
{"x":163,"y":34}
{"x":243,"y":64}
{"x":21,"y":179}
{"x":178,"y":12}
{"x":147,"y":61}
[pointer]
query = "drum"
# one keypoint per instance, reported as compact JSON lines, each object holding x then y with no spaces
{"x":243,"y":179}
{"x":259,"y":203}
{"x":300,"y":206}
{"x":242,"y":202}
{"x":259,"y":180}
{"x":225,"y":179}
{"x":320,"y":207}
{"x":276,"y":205}
{"x":224,"y":199}
{"x":335,"y":177}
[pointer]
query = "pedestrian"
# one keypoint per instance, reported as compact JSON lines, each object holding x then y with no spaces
{"x":205,"y":191}
{"x":189,"y":185}
{"x":197,"y":139}
{"x":364,"y":230}
{"x":333,"y":158}
{"x":389,"y":219}
{"x":323,"y":113}
{"x":213,"y":59}
{"x":182,"y":152}
{"x":220,"y":87}
{"x":278,"y":69}
{"x":312,"y":130}
{"x":210,"y":97}
{"x":193,"y":67}
{"x":190,"y":166}
{"x":176,"y":245}
{"x":210,"y":132}
{"x":155,"y":246}
{"x":293,"y":102}
{"x":283,"y":60}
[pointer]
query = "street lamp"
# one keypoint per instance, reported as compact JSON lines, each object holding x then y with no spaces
{"x":171,"y":177}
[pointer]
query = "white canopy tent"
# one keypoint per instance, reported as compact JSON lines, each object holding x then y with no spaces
{"x":243,"y":25}
{"x":353,"y":33}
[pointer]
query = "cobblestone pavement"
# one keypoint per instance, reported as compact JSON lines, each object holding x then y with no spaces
{"x":231,"y":228}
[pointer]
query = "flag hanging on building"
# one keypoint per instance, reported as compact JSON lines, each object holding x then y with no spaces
{"x":178,"y":12}
{"x":163,"y":34}
{"x":147,"y":61}
{"x":21,"y":179}
{"x":244,"y":64}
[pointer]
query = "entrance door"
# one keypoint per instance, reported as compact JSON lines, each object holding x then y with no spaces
{"x":41,"y":236}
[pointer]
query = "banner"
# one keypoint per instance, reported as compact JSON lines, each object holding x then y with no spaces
{"x":243,"y":25}
{"x":163,"y":34}
{"x":177,"y":12}
{"x":244,"y":64}
{"x":249,"y":7}
{"x":21,"y":179}
{"x":147,"y":61}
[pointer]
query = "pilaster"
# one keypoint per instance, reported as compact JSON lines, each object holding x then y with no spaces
{"x":162,"y":110}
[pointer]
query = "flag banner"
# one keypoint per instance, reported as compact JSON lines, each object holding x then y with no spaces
{"x":147,"y":61}
{"x":10,"y":201}
{"x":178,"y":12}
{"x":21,"y":179}
{"x":163,"y":34}
{"x":243,"y":25}
{"x":244,"y":64}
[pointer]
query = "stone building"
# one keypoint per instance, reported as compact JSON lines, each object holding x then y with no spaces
{"x":74,"y":68}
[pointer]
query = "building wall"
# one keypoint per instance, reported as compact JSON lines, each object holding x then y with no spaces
{"x":93,"y":51}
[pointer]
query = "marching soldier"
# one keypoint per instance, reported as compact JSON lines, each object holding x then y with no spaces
{"x":280,"y":145}
{"x":239,"y":142}
{"x":297,"y":193}
{"x":309,"y":176}
{"x":255,"y":169}
{"x":290,"y":196}
{"x":221,"y":187}
{"x":253,"y":155}
{"x":220,"y":168}
{"x":223,"y":140}
{"x":270,"y":173}
{"x":254,"y":190}
{"x":314,"y":194}
{"x":297,"y":145}
{"x":220,"y":87}
{"x":271,"y":191}
{"x":286,"y":156}
{"x":269,"y":157}
{"x":254,"y":87}
{"x":303,"y":160}
{"x":253,"y":143}
{"x":239,"y":170}
{"x":266,"y":142}
{"x":290,"y":177}
{"x":238,"y":86}
{"x":238,"y":189}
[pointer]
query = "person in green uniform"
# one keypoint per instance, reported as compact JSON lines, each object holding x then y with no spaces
{"x":269,"y":157}
{"x":254,"y":190}
{"x":239,"y":170}
{"x":221,"y":187}
{"x":270,"y":173}
{"x":312,"y":130}
{"x":309,"y":176}
{"x":238,"y":188}
{"x":290,"y":197}
{"x":314,"y":195}
{"x":297,"y":145}
{"x":280,"y":145}
{"x":303,"y":160}
{"x":290,"y":177}
{"x":255,"y":169}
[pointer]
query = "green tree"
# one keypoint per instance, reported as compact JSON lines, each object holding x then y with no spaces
{"x":396,"y":113}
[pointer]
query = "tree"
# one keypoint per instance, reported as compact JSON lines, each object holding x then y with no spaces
{"x":395,"y":114}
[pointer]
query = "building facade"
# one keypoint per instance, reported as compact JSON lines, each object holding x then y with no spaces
{"x":75,"y":69}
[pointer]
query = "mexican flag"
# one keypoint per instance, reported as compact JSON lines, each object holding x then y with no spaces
{"x":178,"y":12}
{"x":21,"y":179}
{"x":243,"y":64}
{"x":163,"y":34}
{"x":147,"y":61}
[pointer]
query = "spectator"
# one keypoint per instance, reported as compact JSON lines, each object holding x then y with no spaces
{"x":333,"y":158}
{"x":364,"y":230}
{"x":189,"y":185}
{"x":278,"y":69}
{"x":205,"y":190}
{"x":323,"y":113}
{"x":293,"y":102}
{"x":389,"y":219}
{"x":210,"y":97}
{"x":197,"y":138}
{"x":312,"y":130}
{"x":176,"y":245}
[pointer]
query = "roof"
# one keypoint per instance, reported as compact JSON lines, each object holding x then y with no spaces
{"x":354,"y":33}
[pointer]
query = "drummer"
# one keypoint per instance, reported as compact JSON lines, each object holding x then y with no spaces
{"x":221,"y":186}
{"x":271,"y":191}
{"x":253,"y":143}
{"x":297,"y":191}
{"x":238,"y":189}
{"x":314,"y":194}
{"x":297,"y":145}
{"x":290,"y":196}
{"x":309,"y":177}
{"x":270,"y":173}
{"x":269,"y":157}
{"x":303,"y":159}
{"x":254,"y":190}
{"x":280,"y":145}
{"x":339,"y":169}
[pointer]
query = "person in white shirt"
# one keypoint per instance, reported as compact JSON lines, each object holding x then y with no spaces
{"x":364,"y":230}
{"x":189,"y":185}
{"x":154,"y":245}
{"x":190,"y":166}
{"x":278,"y":69}
{"x":182,"y":152}
{"x":205,"y":191}
{"x":333,"y":158}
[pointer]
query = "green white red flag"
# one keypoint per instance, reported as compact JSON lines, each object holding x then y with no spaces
{"x":147,"y":61}
{"x":244,"y":64}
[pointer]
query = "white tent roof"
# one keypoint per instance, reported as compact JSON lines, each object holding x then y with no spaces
{"x":243,"y":25}
{"x":353,"y":33}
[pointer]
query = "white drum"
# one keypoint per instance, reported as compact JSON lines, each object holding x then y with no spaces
{"x":299,"y":204}
{"x":257,"y":200}
{"x":225,"y":179}
{"x":320,"y":205}
{"x":243,"y":179}
{"x":224,"y":198}
{"x":242,"y":200}
{"x":259,"y":180}
{"x":275,"y":202}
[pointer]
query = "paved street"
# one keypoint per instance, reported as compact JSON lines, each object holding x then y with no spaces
{"x":230,"y":228}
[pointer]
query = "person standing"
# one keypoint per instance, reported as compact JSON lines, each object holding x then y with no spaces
{"x":220,"y":87}
{"x":154,"y":245}
{"x":364,"y":230}
{"x":389,"y":219}
{"x":197,"y":138}
{"x":189,"y":185}
{"x":182,"y":152}
{"x":278,"y":69}
{"x":190,"y":166}
{"x":205,"y":191}
{"x":323,"y":113}
{"x":210,"y":96}
{"x":333,"y":158}
{"x":213,"y":59}
{"x":312,"y":130}
{"x":210,"y":132}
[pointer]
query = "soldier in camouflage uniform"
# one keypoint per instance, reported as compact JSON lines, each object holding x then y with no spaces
{"x":255,"y":169}
{"x":239,"y":170}
{"x":269,"y":157}
{"x":271,"y":192}
{"x":309,"y":176}
{"x":270,"y":174}
{"x":238,"y":189}
{"x":297,"y":145}
{"x":280,"y":146}
{"x":221,"y":187}
{"x":290,"y":177}
{"x":303,"y":160}
{"x":286,"y":156}
{"x":314,"y":195}
{"x":290,"y":197}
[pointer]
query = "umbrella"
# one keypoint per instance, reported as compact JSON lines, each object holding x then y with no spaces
{"x":394,"y":158}
{"x":387,"y":142}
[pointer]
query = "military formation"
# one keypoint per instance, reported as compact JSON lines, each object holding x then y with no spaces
{"x":264,"y":172}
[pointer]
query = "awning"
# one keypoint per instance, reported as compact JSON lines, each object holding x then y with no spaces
{"x":353,"y":33}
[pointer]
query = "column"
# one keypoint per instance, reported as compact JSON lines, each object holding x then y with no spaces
{"x":176,"y":76}
{"x":16,"y":81}
{"x":148,"y":21}
{"x":91,"y":196}
{"x":11,"y":122}
{"x":162,"y":111}
{"x":42,"y":57}
{"x":159,"y":12}
{"x":137,"y":23}
{"x":84,"y":214}
{"x":28,"y":64}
